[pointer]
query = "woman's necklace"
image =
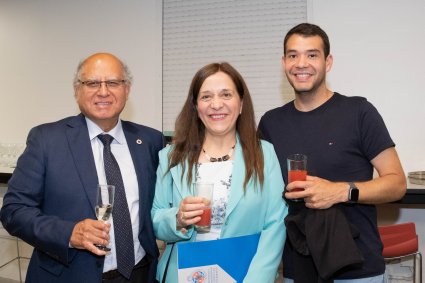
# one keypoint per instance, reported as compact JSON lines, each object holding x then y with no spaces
{"x":219,"y":159}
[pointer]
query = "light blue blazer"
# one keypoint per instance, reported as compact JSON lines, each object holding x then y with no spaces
{"x":253,"y":212}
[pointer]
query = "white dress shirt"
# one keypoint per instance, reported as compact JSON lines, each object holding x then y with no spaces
{"x":122,"y":154}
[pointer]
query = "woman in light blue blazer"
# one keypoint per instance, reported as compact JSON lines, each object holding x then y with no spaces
{"x":216,"y":141}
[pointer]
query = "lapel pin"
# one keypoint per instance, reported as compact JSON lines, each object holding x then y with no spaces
{"x":139,"y":141}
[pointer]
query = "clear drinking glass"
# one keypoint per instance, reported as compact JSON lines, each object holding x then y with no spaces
{"x":297,"y":170}
{"x":204,"y":190}
{"x":104,"y":204}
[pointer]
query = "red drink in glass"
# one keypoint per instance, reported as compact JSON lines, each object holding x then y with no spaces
{"x":297,"y":170}
{"x":297,"y":175}
{"x":205,"y":191}
{"x":205,"y":218}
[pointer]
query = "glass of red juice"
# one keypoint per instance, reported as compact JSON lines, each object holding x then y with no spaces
{"x":297,"y":169}
{"x":204,"y":190}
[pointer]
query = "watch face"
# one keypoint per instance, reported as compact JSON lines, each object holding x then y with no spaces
{"x":354,"y":194}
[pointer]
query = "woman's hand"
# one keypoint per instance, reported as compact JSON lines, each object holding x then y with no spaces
{"x":189,"y":211}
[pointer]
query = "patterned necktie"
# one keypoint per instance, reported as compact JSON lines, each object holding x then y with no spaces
{"x":120,"y":213}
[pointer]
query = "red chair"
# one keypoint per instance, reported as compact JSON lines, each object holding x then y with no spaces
{"x":400,"y":241}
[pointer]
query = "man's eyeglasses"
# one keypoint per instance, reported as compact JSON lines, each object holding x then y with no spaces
{"x":110,"y":84}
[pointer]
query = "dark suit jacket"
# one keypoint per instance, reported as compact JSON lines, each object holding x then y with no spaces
{"x":54,"y":186}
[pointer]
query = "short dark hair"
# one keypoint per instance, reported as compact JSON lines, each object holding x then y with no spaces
{"x":307,"y":30}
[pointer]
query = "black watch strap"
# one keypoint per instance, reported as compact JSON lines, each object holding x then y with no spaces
{"x":353,"y":193}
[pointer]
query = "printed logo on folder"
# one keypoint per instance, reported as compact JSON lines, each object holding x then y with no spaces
{"x":218,"y":261}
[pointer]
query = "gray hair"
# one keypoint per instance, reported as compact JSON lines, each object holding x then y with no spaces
{"x":126,"y":70}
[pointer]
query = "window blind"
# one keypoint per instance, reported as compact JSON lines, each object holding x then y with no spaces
{"x":246,"y":33}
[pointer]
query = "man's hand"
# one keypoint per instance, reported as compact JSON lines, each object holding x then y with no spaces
{"x":89,"y":232}
{"x":318,"y":193}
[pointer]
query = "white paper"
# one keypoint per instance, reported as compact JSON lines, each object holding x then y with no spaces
{"x":205,"y":274}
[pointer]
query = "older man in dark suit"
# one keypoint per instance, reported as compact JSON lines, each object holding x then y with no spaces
{"x":51,"y":197}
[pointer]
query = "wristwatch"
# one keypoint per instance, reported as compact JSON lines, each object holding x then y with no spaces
{"x":353,"y":193}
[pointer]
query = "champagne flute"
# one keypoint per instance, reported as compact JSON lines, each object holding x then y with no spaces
{"x":104,"y":204}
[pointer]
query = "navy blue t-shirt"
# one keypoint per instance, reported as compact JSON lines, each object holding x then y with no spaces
{"x":340,"y":138}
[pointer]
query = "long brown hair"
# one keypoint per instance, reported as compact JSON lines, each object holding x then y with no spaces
{"x":190,"y":131}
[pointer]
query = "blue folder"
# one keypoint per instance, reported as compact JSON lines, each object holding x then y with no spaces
{"x":233,"y":255}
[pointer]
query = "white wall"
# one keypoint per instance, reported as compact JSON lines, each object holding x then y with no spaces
{"x":42,"y":41}
{"x":378,"y":53}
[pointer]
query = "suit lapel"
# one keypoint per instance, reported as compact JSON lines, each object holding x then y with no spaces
{"x":141,"y":159}
{"x":179,"y":182}
{"x":79,"y":144}
{"x":238,"y":176}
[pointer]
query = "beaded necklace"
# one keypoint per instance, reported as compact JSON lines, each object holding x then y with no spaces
{"x":219,"y":159}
